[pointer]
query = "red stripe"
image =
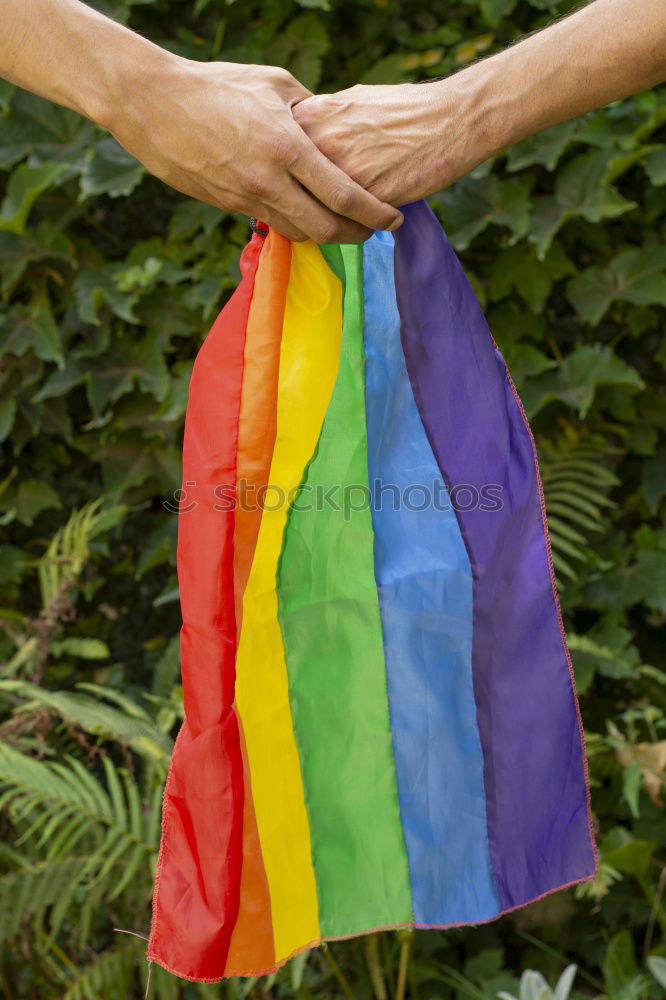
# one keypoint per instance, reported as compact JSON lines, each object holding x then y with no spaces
{"x":197,"y":884}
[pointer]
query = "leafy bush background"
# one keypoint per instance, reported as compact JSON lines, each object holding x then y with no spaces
{"x":108,"y":283}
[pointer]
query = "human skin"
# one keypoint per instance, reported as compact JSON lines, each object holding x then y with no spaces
{"x":221,"y":132}
{"x":405,"y":142}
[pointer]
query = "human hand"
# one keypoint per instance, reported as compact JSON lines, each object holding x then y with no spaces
{"x":224,"y":133}
{"x":400,"y":142}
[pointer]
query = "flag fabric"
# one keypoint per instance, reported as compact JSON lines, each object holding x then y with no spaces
{"x":381,"y":722}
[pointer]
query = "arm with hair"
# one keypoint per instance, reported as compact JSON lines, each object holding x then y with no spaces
{"x":404,"y":142}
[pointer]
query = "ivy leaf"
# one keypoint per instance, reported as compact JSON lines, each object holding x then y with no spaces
{"x":494,"y":10}
{"x":519,"y":267}
{"x":636,"y":276}
{"x":24,"y":187}
{"x":544,"y":148}
{"x":582,"y":189}
{"x":96,"y":286}
{"x":32,"y":497}
{"x":390,"y":69}
{"x":579,"y":376}
{"x":654,"y":480}
{"x":33,"y":327}
{"x":109,"y":169}
{"x":301,"y":48}
{"x":7,"y":90}
{"x":175,"y":402}
{"x":524,"y":360}
{"x":469,"y":206}
{"x":17,"y":252}
{"x":627,"y":853}
{"x":128,"y":464}
{"x":61,"y":381}
{"x":126,"y":364}
{"x":7,"y":414}
{"x":641,"y":582}
{"x":655,"y":165}
{"x":12,"y":563}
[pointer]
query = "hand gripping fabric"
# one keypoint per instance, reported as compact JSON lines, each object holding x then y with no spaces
{"x":382,"y":727}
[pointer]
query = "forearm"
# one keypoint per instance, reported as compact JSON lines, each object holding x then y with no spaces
{"x":601,"y":53}
{"x":71,"y":54}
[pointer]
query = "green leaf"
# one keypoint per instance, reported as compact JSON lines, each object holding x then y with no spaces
{"x":654,"y":480}
{"x":7,"y":414}
{"x":519,"y":267}
{"x":25,"y":186}
{"x":32,"y":327}
{"x":627,"y":854}
{"x":18,"y":252}
{"x":34,"y":496}
{"x":468,"y":207}
{"x":582,"y":188}
{"x":579,"y":376}
{"x":390,"y":69}
{"x":495,"y":10}
{"x":109,"y":169}
{"x":631,"y":786}
{"x":86,"y":649}
{"x":619,"y":964}
{"x":636,"y":276}
{"x":641,"y":582}
{"x":657,"y":966}
{"x":128,"y":364}
{"x":62,"y":381}
{"x":95,"y":287}
{"x":655,"y":165}
{"x":524,"y":360}
{"x":545,"y":148}
{"x":7,"y":90}
{"x":12,"y":563}
{"x":301,"y":48}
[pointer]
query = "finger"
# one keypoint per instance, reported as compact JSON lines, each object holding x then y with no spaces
{"x":293,"y":202}
{"x":338,"y":192}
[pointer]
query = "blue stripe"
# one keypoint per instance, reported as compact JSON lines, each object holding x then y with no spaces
{"x":424,"y":582}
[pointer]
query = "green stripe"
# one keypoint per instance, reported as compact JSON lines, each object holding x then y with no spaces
{"x":329,"y":613}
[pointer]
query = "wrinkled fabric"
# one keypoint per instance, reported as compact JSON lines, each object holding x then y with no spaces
{"x":424,"y":580}
{"x":531,"y":733}
{"x":381,"y":723}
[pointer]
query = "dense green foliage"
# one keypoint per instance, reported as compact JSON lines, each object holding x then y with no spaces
{"x":108,"y":282}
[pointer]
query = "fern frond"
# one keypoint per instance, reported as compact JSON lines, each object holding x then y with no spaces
{"x":109,"y":976}
{"x":576,"y":482}
{"x":50,"y":796}
{"x":69,"y":548}
{"x":27,"y":894}
{"x":135,"y":730}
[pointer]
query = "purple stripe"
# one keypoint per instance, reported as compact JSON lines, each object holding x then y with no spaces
{"x":539,"y":824}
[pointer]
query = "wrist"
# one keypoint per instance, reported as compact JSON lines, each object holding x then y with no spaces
{"x":469,"y":120}
{"x":132,"y":84}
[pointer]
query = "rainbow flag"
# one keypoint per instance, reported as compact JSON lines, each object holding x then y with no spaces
{"x":381,"y":722}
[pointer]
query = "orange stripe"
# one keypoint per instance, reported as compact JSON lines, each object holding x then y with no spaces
{"x":252,"y":948}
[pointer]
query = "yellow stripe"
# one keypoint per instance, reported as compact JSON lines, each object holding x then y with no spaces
{"x":309,"y":357}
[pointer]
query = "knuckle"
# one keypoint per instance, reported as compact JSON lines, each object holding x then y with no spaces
{"x":283,"y":148}
{"x":254,"y":184}
{"x":342,"y":199}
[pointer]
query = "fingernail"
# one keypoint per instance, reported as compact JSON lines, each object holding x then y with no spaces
{"x":396,"y":223}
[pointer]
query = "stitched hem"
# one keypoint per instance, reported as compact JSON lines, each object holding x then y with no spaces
{"x":254,"y":974}
{"x":558,"y":611}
